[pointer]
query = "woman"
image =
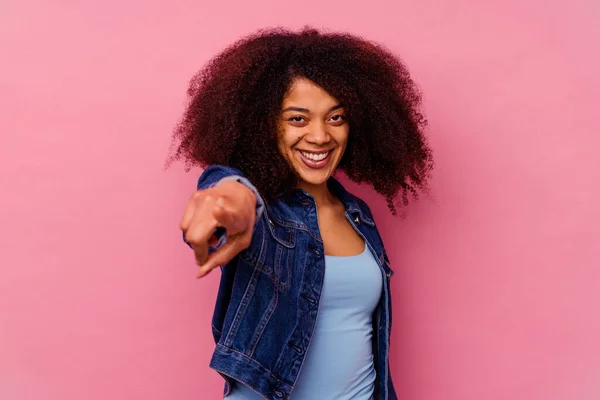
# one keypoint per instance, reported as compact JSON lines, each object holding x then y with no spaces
{"x":303,"y":308}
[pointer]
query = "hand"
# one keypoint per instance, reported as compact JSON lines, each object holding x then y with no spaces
{"x":230,"y":205}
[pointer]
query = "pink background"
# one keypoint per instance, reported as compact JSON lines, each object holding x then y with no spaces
{"x":497,"y":285}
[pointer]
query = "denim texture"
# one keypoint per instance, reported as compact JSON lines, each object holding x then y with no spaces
{"x":268,"y":296}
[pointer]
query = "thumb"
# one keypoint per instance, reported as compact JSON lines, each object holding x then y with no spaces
{"x":221,"y":257}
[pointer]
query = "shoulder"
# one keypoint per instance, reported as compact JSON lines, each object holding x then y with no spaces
{"x":364,"y":207}
{"x":359,"y":203}
{"x":350,"y":200}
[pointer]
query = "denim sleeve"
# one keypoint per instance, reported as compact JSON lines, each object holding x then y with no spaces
{"x":213,"y":176}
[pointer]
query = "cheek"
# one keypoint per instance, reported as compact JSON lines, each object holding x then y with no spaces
{"x":287,"y":139}
{"x":342,"y":140}
{"x":342,"y":137}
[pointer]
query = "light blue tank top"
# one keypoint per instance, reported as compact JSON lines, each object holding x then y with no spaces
{"x":339,"y":361}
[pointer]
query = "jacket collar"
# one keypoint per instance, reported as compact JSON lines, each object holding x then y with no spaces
{"x":354,"y":206}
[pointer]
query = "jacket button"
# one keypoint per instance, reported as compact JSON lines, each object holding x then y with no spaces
{"x":389,"y":274}
{"x":357,"y":220}
{"x":278,"y":393}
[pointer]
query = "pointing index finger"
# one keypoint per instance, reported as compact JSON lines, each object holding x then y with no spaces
{"x":221,"y":257}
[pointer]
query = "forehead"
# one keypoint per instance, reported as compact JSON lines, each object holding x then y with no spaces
{"x":305,"y":93}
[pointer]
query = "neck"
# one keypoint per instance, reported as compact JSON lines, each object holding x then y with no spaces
{"x":321,"y":193}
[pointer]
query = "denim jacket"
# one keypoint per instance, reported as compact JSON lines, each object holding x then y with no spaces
{"x":268,"y":296}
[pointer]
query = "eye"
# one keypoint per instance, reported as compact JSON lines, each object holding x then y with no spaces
{"x":297,"y":120}
{"x":337,"y":119}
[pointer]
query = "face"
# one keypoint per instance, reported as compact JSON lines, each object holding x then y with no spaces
{"x":313,"y":132}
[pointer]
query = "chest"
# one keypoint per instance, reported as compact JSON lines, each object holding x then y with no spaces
{"x":339,"y":236}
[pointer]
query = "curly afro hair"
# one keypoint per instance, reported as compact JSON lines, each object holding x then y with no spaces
{"x":235,"y":101}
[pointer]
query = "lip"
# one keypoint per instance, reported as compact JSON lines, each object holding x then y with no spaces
{"x":315,"y":164}
{"x":316,"y":151}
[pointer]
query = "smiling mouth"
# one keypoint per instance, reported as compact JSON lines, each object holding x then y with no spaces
{"x":320,"y":156}
{"x":315,"y":160}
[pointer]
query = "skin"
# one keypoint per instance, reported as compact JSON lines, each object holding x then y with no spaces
{"x":312,"y":121}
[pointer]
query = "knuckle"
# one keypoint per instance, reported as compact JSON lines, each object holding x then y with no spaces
{"x":189,"y":236}
{"x":193,"y":238}
{"x":198,"y":195}
{"x":220,"y":211}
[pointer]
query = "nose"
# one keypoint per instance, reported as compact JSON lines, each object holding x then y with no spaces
{"x":318,"y":135}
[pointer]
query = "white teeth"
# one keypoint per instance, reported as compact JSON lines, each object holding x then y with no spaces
{"x":315,"y":157}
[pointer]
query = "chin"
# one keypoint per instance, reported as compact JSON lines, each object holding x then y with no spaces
{"x":314,"y":178}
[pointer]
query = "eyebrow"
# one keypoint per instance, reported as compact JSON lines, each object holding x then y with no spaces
{"x":306,"y":110}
